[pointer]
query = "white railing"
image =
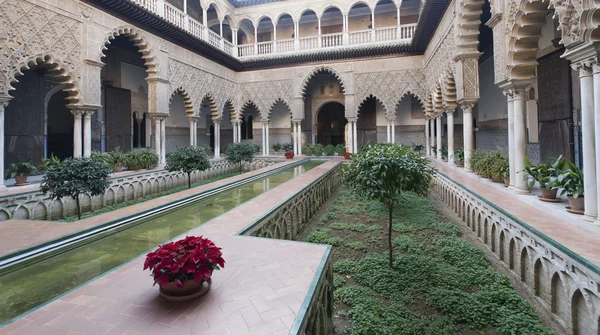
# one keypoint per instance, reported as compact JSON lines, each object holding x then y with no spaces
{"x":331,"y":40}
{"x":402,"y":34}
{"x":265,"y":48}
{"x":360,"y":37}
{"x":228,"y":47}
{"x":150,"y":5}
{"x":245,"y":50}
{"x":407,"y":31}
{"x":307,"y":43}
{"x":175,"y":16}
{"x":195,"y":28}
{"x":386,"y":34}
{"x":285,"y":45}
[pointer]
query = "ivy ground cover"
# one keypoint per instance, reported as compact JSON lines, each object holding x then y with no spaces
{"x":439,"y":283}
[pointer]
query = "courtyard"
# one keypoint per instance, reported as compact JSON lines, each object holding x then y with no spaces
{"x":299,"y":167}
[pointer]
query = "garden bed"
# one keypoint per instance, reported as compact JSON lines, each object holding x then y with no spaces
{"x":440,"y":283}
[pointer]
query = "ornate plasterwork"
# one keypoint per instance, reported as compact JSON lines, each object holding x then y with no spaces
{"x":322,"y":70}
{"x":442,"y":61}
{"x":265,"y":94}
{"x":390,"y":87}
{"x":33,"y":35}
{"x":139,"y":41}
{"x":575,"y":19}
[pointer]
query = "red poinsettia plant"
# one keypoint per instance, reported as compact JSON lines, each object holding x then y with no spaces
{"x":192,"y":258}
{"x":347,"y":155}
{"x":289,"y":154}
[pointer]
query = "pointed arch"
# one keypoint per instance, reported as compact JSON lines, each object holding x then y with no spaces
{"x":361,"y":101}
{"x":139,"y":41}
{"x":234,"y":116}
{"x":322,"y":70}
{"x":187,"y":100}
{"x":449,"y":91}
{"x":468,"y":13}
{"x":212,"y":104}
{"x":55,"y":68}
{"x":280,"y":100}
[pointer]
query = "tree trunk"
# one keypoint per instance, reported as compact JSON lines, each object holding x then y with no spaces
{"x":189,"y":180}
{"x":241,"y":167}
{"x":78,"y":207}
{"x":390,"y":209}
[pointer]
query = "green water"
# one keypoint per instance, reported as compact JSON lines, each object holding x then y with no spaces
{"x":31,"y":286}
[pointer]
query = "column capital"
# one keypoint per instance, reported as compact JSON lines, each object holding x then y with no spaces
{"x":449,"y":109}
{"x":586,"y":66}
{"x":391,"y":118}
{"x":351,"y":119}
{"x":467,"y":106}
{"x":193,"y":117}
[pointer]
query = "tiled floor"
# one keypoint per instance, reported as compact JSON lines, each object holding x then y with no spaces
{"x":567,"y":230}
{"x":260,"y":291}
{"x":19,"y":234}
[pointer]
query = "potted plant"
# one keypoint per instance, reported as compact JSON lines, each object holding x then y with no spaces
{"x":475,"y":160}
{"x":148,"y":159}
{"x":20,"y":171}
{"x":347,"y":155}
{"x":542,"y":173}
{"x":418,"y":148}
{"x":340,"y":149}
{"x":289,"y":154}
{"x":570,"y":182}
{"x":308,"y":150}
{"x":256,"y":149}
{"x":329,"y":150}
{"x":116,"y":159}
{"x":445,"y":153}
{"x":276,"y":147}
{"x":499,"y":166}
{"x":287,"y":147}
{"x":459,"y":157}
{"x":183,"y":269}
{"x":133,"y":161}
{"x":49,"y":162}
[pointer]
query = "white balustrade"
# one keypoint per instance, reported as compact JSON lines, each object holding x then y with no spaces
{"x":331,"y":40}
{"x":195,"y":28}
{"x":174,"y":15}
{"x":214,"y":39}
{"x":307,"y":43}
{"x":265,"y":48}
{"x":228,"y":47}
{"x":150,"y":5}
{"x":359,"y":37}
{"x":407,"y":31}
{"x":285,"y":45}
{"x":245,"y":50}
{"x":386,"y":34}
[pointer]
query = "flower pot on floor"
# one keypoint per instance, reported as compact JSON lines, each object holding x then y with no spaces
{"x":117,"y":168}
{"x":576,"y":204}
{"x":506,"y":181}
{"x":496,"y":179}
{"x":190,"y":290}
{"x":548,"y":193}
{"x":460,"y":164}
{"x":21,"y":180}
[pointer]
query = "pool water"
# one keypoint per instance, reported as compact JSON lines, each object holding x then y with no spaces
{"x":29,"y":287}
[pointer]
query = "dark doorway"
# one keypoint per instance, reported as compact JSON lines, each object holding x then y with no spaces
{"x":366,"y":125}
{"x":331,"y":123}
{"x":555,"y":107}
{"x":59,"y":140}
{"x":212,"y":138}
{"x":118,"y":118}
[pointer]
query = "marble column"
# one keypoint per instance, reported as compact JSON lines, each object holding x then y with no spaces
{"x":77,"y":145}
{"x":192,"y":126}
{"x":520,"y":139}
{"x":350,"y":144}
{"x":195,"y":132}
{"x":163,"y":141}
{"x":438,"y":135}
{"x":295,"y":137}
{"x":450,"y":116}
{"x":354,"y":137}
{"x":3,"y":105}
{"x":263,"y":139}
{"x":217,"y":126}
{"x":427,"y":137}
{"x":511,"y":137}
{"x":239,"y":130}
{"x":467,"y":109}
{"x":87,"y":133}
{"x":389,"y":132}
{"x":299,"y":138}
{"x":393,"y":128}
{"x":157,"y":122}
{"x":588,"y":137}
{"x":596,"y":78}
{"x":268,"y":145}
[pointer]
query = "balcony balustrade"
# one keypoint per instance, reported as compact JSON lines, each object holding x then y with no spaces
{"x":402,"y":34}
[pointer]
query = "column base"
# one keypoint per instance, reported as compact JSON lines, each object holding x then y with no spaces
{"x":520,"y":191}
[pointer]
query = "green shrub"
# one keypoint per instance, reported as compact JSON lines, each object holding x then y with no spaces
{"x":276,"y":147}
{"x":240,"y":153}
{"x":328,"y":216}
{"x":321,"y":236}
{"x":287,"y":147}
{"x":187,"y":160}
{"x":148,"y":159}
{"x":357,"y":245}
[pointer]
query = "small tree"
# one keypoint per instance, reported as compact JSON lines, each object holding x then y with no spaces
{"x":383,"y":172}
{"x":238,"y":153}
{"x":188,"y":159}
{"x":76,"y":176}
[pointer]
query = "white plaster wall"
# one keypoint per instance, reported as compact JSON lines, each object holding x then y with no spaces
{"x":133,"y":77}
{"x":280,"y":116}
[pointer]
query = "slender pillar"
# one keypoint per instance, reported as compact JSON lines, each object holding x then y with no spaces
{"x":192,"y":123}
{"x":239,"y":129}
{"x":299,"y":138}
{"x":596,"y":71}
{"x":157,"y":139}
{"x":426,"y":136}
{"x":87,"y":133}
{"x":588,"y":136}
{"x":389,"y":132}
{"x":295,"y":137}
{"x":511,"y":137}
{"x":350,"y":146}
{"x":355,"y":137}
{"x":319,"y":27}
{"x":438,"y":131}
{"x":263,"y":139}
{"x":256,"y":40}
{"x":163,"y":141}
{"x":467,"y":109}
{"x":373,"y":26}
{"x":195,"y":129}
{"x":520,"y":140}
{"x":267,"y":146}
{"x":77,"y":133}
{"x":3,"y":105}
{"x":450,"y":115}
{"x":393,"y":128}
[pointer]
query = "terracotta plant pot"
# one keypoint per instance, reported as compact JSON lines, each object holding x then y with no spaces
{"x":117,"y":168}
{"x":460,"y":164}
{"x":506,"y":181}
{"x":548,"y":193}
{"x":21,"y":180}
{"x":576,"y":204}
{"x":446,"y":160}
{"x":496,"y":179}
{"x":189,"y":291}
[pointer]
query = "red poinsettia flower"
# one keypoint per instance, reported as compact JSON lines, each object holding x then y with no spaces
{"x":191,"y":258}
